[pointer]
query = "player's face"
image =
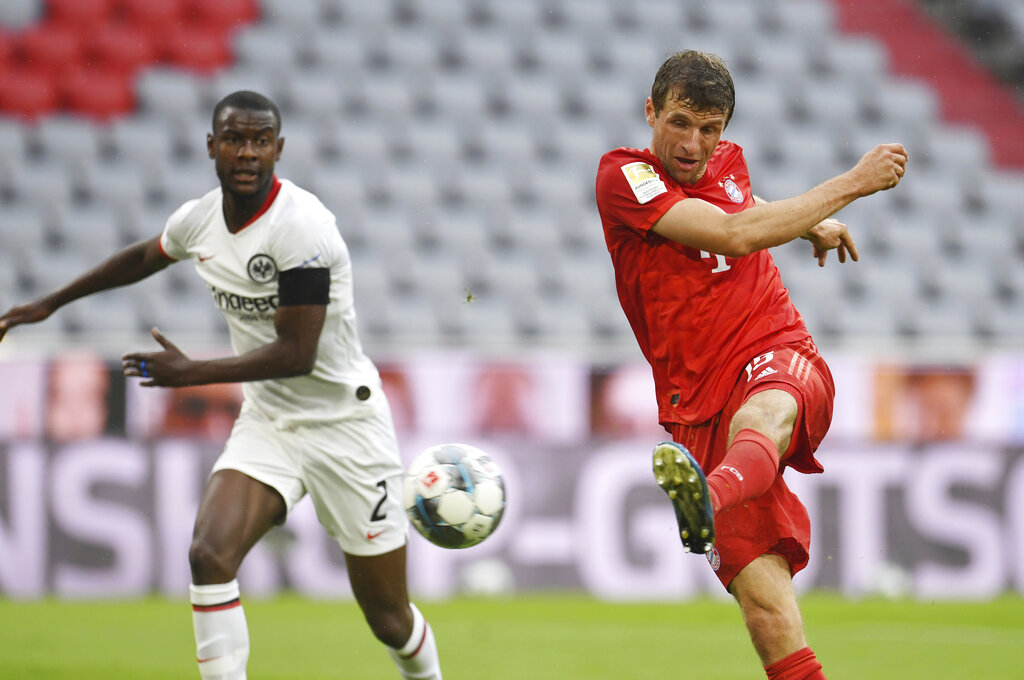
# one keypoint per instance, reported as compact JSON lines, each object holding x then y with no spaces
{"x":245,"y":146}
{"x":683,"y":139}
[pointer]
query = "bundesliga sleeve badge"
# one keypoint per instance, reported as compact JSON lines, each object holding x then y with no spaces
{"x":643,"y":180}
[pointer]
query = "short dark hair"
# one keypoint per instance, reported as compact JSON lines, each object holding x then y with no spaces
{"x":247,"y":100}
{"x":698,"y":79}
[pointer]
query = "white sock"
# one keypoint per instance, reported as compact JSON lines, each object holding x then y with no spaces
{"x":222,"y":636}
{"x":418,"y":659}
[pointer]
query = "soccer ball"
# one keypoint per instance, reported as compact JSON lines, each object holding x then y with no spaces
{"x":454,"y":495}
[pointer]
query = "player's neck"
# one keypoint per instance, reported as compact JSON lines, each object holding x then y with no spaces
{"x":239,"y":210}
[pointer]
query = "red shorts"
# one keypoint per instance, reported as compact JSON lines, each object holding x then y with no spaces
{"x":775,"y":522}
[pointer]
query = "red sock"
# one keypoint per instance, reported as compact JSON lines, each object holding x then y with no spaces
{"x":748,"y":470}
{"x":800,"y":665}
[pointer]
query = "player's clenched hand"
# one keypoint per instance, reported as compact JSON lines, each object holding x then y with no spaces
{"x":31,"y":312}
{"x":168,"y":368}
{"x":831,"y":234}
{"x":881,"y":168}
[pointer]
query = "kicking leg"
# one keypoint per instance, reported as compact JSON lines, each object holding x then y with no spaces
{"x":764,"y":590}
{"x":379,"y":585}
{"x":759,"y":433}
{"x":235,"y":512}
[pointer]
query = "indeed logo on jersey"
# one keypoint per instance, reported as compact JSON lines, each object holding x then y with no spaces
{"x":643,"y":180}
{"x":239,"y":303}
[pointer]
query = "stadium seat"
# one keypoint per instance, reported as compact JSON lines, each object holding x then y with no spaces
{"x":459,"y":97}
{"x":632,"y":59}
{"x":97,"y":93}
{"x":202,"y":50}
{"x":269,"y":83}
{"x":409,"y":50}
{"x":511,"y":18}
{"x":28,"y":93}
{"x":431,"y":143}
{"x":7,"y":43}
{"x":438,"y":15}
{"x":44,"y":186}
{"x":50,"y":47}
{"x":294,"y":15}
{"x":850,"y":59}
{"x":81,"y":15}
{"x":800,"y":20}
{"x":481,"y":322}
{"x":119,"y":186}
{"x":46,"y":269}
{"x":776,"y":57}
{"x":185,"y":181}
{"x":110,"y":313}
{"x":486,"y":51}
{"x":743,"y":18}
{"x":555,"y":54}
{"x":169,"y":95}
{"x":385,"y":99}
{"x":268,"y":48}
{"x":179,"y":316}
{"x":13,"y":143}
{"x":16,"y":15}
{"x":66,"y":139}
{"x":586,"y":18}
{"x":21,"y":231}
{"x":223,"y":16}
{"x":93,"y":232}
{"x":314,"y":94}
{"x":121,"y":47}
{"x":155,"y":16}
{"x":902,"y":100}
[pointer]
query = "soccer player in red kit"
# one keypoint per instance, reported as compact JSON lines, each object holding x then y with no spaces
{"x":739,"y":380}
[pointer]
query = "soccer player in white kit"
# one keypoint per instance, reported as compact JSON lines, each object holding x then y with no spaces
{"x":314,"y":417}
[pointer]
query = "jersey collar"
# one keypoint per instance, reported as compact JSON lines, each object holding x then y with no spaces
{"x":274,"y":190}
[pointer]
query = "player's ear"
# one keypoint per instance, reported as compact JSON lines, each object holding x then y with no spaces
{"x":280,"y":148}
{"x":209,"y":144}
{"x":649,"y":111}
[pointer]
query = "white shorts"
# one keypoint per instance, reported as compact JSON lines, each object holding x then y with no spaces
{"x":351,"y":470}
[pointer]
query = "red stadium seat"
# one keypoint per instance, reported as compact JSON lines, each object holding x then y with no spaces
{"x":80,"y":14}
{"x":50,"y":46}
{"x":6,"y":50}
{"x":28,"y":93}
{"x":98,"y":93}
{"x":224,"y":15}
{"x":124,"y":47}
{"x":197,"y":49}
{"x":156,"y":16}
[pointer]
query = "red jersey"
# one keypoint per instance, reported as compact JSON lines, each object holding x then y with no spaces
{"x":699,"y":317}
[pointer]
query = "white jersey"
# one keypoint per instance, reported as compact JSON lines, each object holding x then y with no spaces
{"x":294,"y":230}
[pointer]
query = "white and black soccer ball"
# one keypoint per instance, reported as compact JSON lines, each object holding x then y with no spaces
{"x":454,"y":495}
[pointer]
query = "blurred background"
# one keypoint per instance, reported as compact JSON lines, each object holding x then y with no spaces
{"x":457,"y":142}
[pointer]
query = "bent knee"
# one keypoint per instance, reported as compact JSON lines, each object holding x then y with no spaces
{"x":209,"y":564}
{"x":774,"y":627}
{"x":772,"y":413}
{"x":392,"y":626}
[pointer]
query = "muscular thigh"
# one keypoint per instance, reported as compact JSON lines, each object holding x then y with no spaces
{"x":235,"y":512}
{"x":353,"y":473}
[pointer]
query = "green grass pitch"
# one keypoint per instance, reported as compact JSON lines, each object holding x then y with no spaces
{"x":537,"y":636}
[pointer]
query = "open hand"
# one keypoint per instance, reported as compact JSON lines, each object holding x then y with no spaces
{"x":831,"y":234}
{"x":167,"y":368}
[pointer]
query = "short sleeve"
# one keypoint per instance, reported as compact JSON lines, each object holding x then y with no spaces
{"x":175,"y":237}
{"x":631,"y":190}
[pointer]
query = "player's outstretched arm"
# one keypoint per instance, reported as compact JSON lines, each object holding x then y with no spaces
{"x":124,"y":267}
{"x":292,"y":353}
{"x":699,"y":224}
